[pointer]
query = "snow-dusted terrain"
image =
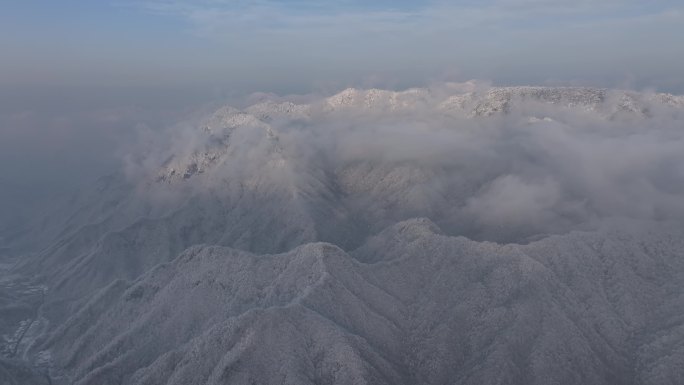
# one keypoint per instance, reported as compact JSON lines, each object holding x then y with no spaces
{"x":573,"y":309}
{"x":459,"y":234}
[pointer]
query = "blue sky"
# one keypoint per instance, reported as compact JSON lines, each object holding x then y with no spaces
{"x":304,"y":44}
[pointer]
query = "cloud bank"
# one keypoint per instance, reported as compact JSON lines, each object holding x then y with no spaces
{"x":503,"y":164}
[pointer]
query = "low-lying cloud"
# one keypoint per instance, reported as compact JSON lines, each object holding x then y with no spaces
{"x":503,"y":164}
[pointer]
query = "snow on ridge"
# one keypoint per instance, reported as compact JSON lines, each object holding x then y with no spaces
{"x":464,"y":102}
{"x":440,"y":306}
{"x":406,"y":303}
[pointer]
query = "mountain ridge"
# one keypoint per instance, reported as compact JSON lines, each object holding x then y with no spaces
{"x":368,"y":301}
{"x":461,"y":233}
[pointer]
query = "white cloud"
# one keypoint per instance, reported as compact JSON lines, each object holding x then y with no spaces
{"x":541,"y":168}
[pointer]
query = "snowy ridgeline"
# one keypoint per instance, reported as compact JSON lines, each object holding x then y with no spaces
{"x":468,"y":100}
{"x":582,"y":308}
{"x":133,"y":299}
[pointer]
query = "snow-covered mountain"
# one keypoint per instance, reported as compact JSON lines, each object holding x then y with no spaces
{"x":600,"y":308}
{"x":278,"y":244}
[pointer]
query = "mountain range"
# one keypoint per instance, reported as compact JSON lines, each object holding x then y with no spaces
{"x":459,"y":234}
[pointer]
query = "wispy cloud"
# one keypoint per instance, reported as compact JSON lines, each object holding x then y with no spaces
{"x":302,"y":43}
{"x":221,"y":18}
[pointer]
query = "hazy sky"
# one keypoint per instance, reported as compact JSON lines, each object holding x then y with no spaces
{"x":301,"y":45}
